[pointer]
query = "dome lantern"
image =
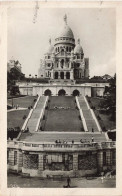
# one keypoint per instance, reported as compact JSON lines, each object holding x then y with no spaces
{"x":65,"y":19}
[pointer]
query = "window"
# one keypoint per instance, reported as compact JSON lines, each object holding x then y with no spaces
{"x":78,"y":56}
{"x":78,"y":64}
{"x":69,"y":49}
{"x":48,"y":57}
{"x":62,"y":52}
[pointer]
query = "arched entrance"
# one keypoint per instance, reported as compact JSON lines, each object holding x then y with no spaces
{"x":62,"y":75}
{"x":47,"y":92}
{"x":61,"y":92}
{"x":56,"y":75}
{"x":67,"y":75}
{"x":76,"y":93}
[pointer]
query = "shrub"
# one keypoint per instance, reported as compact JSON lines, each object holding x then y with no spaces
{"x":24,"y":117}
{"x":79,"y":117}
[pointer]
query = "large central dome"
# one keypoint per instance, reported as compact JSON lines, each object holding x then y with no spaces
{"x":66,"y":30}
{"x":65,"y":35}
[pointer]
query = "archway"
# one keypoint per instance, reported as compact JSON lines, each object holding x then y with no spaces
{"x":61,"y":92}
{"x":56,"y":75}
{"x":76,"y":93}
{"x":67,"y":75}
{"x":47,"y":92}
{"x":62,"y":75}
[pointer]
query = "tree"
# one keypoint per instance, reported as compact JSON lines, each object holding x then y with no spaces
{"x":109,"y":102}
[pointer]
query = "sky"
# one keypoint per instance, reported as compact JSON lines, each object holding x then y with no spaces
{"x":96,"y":28}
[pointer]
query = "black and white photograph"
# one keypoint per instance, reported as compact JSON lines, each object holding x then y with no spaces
{"x":59,"y":125}
{"x":61,"y":97}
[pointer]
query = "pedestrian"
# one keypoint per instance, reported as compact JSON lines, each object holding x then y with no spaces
{"x":81,"y":141}
{"x":27,"y":129}
{"x":92,"y":139}
{"x":72,"y":141}
{"x":68,"y":181}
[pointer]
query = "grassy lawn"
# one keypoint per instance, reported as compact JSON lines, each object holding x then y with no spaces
{"x":63,"y":119}
{"x":105,"y":118}
{"x":24,"y":102}
{"x":15,"y":118}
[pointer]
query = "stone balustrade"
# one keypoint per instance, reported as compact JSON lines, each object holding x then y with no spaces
{"x":59,"y":147}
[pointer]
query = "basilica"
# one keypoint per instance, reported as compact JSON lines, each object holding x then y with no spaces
{"x":65,"y":59}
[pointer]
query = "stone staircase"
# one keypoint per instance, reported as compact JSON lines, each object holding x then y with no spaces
{"x":67,"y":136}
{"x":33,"y":121}
{"x":90,"y":122}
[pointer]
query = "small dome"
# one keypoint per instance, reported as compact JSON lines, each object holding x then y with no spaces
{"x":50,"y":48}
{"x":78,"y":49}
{"x":66,"y":30}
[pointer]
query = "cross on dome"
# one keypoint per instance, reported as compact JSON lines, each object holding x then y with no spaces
{"x":65,"y":19}
{"x":78,"y":41}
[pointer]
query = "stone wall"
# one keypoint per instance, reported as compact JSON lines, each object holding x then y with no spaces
{"x":74,"y":163}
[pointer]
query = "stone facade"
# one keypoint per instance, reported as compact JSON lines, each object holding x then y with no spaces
{"x":53,"y":89}
{"x":72,"y":162}
{"x":64,"y":60}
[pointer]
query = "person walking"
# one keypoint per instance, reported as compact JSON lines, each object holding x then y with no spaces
{"x":68,"y":181}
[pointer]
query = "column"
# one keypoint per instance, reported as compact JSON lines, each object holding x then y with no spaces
{"x":100,"y":160}
{"x":59,"y":77}
{"x":75,"y":161}
{"x":19,"y":160}
{"x":40,"y":163}
{"x":59,"y":64}
{"x":71,"y":75}
{"x":64,"y":75}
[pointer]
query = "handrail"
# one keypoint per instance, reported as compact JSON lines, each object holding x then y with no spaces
{"x":42,"y":112}
{"x":81,"y":115}
{"x":93,"y":115}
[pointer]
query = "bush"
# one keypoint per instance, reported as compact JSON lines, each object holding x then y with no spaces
{"x":99,"y":118}
{"x":24,"y":117}
{"x":35,"y":100}
{"x":79,"y":117}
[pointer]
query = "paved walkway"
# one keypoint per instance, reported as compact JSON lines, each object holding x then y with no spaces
{"x":14,"y":109}
{"x":19,"y":181}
